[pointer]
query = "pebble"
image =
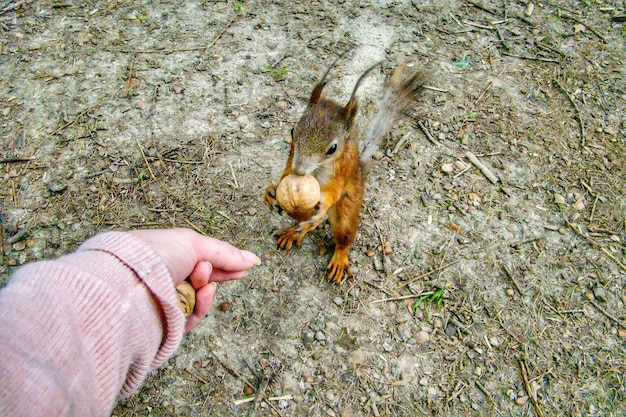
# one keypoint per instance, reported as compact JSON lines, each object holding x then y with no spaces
{"x":422,"y":337}
{"x":19,"y":246}
{"x":521,"y":400}
{"x":281,"y":105}
{"x":338,"y":301}
{"x":447,"y":168}
{"x":621,"y":333}
{"x":559,"y":199}
{"x":423,"y":382}
{"x":510,"y":292}
{"x":494,"y":342}
{"x":320,"y":336}
{"x":141,"y":105}
{"x":600,"y":293}
{"x":56,"y":186}
{"x":308,"y":337}
{"x":252,"y":211}
{"x":282,"y":404}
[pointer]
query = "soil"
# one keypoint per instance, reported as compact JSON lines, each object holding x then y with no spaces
{"x":471,"y":297}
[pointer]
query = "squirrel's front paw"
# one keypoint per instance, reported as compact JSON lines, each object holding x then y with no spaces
{"x":287,"y":237}
{"x":270,"y":198}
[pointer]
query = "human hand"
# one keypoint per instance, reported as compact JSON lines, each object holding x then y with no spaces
{"x":204,"y":260}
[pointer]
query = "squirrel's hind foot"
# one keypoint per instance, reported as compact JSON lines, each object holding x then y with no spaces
{"x":338,"y":265}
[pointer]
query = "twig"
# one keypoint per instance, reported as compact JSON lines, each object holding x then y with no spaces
{"x":483,"y":168}
{"x":478,"y":25}
{"x":583,"y":139}
{"x":250,"y":399}
{"x":606,"y":313}
{"x":481,"y":6}
{"x":14,"y":6}
{"x":171,"y":51}
{"x":530,"y":58}
{"x":402,"y":297}
{"x":614,"y":258}
{"x":441,"y":268}
{"x":484,"y":390}
{"x":193,"y":226}
{"x":71,"y":122}
{"x":145,"y":159}
{"x":198,"y":377}
{"x":529,"y":390}
{"x":431,"y":88}
{"x":491,"y":84}
{"x":232,"y":171}
{"x":427,"y":133}
{"x":400,"y":144}
{"x":232,"y":370}
{"x":12,"y":160}
{"x":510,"y":275}
{"x":591,"y":29}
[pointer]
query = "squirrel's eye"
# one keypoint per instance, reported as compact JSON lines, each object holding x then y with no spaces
{"x":332,"y":149}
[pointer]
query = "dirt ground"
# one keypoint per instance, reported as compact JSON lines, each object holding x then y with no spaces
{"x":471,"y":297}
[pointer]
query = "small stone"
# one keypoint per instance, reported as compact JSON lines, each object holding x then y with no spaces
{"x":56,"y":186}
{"x":225,"y":306}
{"x":281,"y":105}
{"x":422,"y":337}
{"x":308,"y":337}
{"x":387,"y":249}
{"x":338,"y":301}
{"x":308,"y":378}
{"x":378,"y":265}
{"x":494,"y":342}
{"x":559,"y":199}
{"x":447,"y":168}
{"x":579,"y":204}
{"x":621,"y":332}
{"x":282,"y":404}
{"x":320,"y":336}
{"x":521,"y":400}
{"x":600,"y":294}
{"x":423,"y":382}
{"x":178,"y":87}
{"x":370,"y":253}
{"x":266,"y":256}
{"x":510,"y":292}
{"x":252,"y":211}
{"x":248,"y":390}
{"x":19,"y":246}
{"x":141,"y":105}
{"x":589,"y":296}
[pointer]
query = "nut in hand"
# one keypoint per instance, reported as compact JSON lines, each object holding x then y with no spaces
{"x":298,"y":193}
{"x":186,"y":298}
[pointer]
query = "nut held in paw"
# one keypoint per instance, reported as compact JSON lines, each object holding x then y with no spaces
{"x":298,"y":193}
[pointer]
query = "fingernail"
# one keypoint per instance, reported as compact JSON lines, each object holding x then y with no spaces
{"x":251,"y":257}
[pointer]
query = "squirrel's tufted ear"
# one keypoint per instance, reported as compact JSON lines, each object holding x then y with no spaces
{"x":349,"y":112}
{"x":316,"y":95}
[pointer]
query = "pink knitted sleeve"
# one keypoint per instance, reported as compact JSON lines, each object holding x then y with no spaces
{"x":78,"y":332}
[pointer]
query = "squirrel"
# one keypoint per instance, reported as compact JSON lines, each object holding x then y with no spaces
{"x":326,"y":144}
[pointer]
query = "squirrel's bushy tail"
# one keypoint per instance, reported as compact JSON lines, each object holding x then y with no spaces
{"x":399,"y":94}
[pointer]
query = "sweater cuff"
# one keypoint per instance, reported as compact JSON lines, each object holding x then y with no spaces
{"x":150,"y":268}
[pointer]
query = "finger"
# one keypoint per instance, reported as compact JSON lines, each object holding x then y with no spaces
{"x":204,"y":300}
{"x":219,"y":276}
{"x":201,"y":274}
{"x":223,"y":255}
